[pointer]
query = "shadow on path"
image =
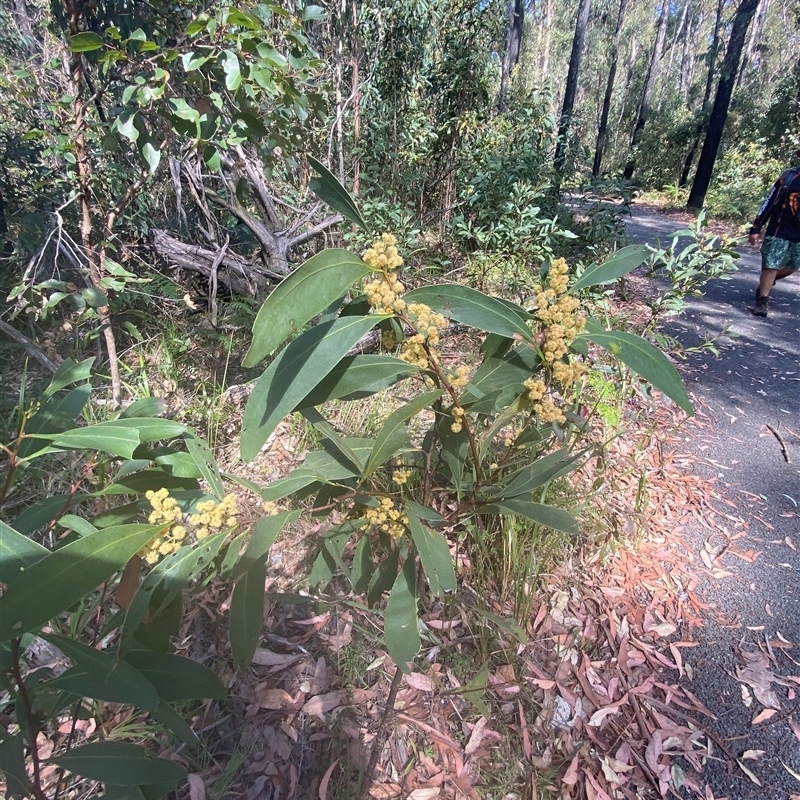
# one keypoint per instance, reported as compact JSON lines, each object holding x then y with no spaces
{"x":752,"y":393}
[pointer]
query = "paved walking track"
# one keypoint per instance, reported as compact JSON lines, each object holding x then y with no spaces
{"x":753,"y":384}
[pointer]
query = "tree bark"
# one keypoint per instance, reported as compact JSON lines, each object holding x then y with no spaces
{"x":516,"y":24}
{"x":649,"y":85}
{"x":719,"y":113}
{"x":571,"y":88}
{"x":612,"y":74}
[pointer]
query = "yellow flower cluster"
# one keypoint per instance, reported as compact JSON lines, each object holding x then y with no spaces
{"x":401,"y":476}
{"x":389,"y":519}
{"x":548,"y":411}
{"x":568,"y":374}
{"x":461,"y":377}
{"x":388,"y":340}
{"x":429,"y":326}
{"x":211,"y":514}
{"x":383,"y":254}
{"x":383,"y":294}
{"x":458,"y":419}
{"x":557,"y":311}
{"x":536,"y":388}
{"x":270,"y":508}
{"x":165,"y":512}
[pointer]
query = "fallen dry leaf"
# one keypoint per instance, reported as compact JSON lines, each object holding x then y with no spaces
{"x":417,"y":680}
{"x":424,"y":794}
{"x":749,"y":774}
{"x":475,"y":738}
{"x":197,"y":789}
{"x":766,"y":714}
{"x":753,"y":755}
{"x":326,"y":779}
{"x":274,"y":699}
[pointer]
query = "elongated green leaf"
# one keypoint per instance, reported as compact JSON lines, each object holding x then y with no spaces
{"x":621,"y":263}
{"x":176,"y":678}
{"x":265,"y":533}
{"x":538,"y":473}
{"x":401,"y":626}
{"x":393,"y":433}
{"x":85,"y":42}
{"x":121,"y":764}
{"x":644,"y":359}
{"x":17,"y":552}
{"x":69,"y":574}
{"x":54,"y":416}
{"x":334,"y":439}
{"x":110,"y":439}
{"x":144,"y":407}
{"x":357,"y":377}
{"x":68,"y":373}
{"x":549,"y":516}
{"x":247,"y":613}
{"x":172,"y":720}
{"x":293,"y":374}
{"x":201,"y":453}
{"x":102,"y":676}
{"x":474,"y":308}
{"x":361,"y":569}
{"x":181,"y":465}
{"x":146,"y":479}
{"x":310,"y":289}
{"x":80,"y":525}
{"x":41,"y":513}
{"x":12,"y":765}
{"x":295,"y":481}
{"x":435,"y":556}
{"x":330,"y":191}
{"x":383,"y":578}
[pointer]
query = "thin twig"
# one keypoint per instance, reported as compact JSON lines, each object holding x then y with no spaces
{"x":781,"y":442}
{"x":380,"y":737}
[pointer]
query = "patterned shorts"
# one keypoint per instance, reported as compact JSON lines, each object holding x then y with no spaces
{"x":779,"y":253}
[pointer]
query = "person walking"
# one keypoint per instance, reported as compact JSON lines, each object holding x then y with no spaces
{"x":780,"y":249}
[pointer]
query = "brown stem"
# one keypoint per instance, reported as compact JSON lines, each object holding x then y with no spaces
{"x":380,"y":737}
{"x":30,"y":721}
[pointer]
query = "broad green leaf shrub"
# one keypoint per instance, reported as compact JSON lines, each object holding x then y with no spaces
{"x":486,"y":442}
{"x":101,"y":572}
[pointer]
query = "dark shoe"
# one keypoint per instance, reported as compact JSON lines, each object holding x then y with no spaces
{"x":761,"y":307}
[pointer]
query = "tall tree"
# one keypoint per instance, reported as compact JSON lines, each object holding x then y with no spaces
{"x":612,"y":74}
{"x":712,"y":67}
{"x":516,"y":24}
{"x":581,"y":23}
{"x":722,"y":101}
{"x":649,"y":85}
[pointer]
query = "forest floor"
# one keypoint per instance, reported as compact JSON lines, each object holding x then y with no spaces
{"x":659,"y":660}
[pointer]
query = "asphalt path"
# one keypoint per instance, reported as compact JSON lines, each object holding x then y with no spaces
{"x":752,"y":386}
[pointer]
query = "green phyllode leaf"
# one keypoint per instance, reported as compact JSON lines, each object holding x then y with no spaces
{"x":401,"y":626}
{"x":308,"y":291}
{"x":121,"y":764}
{"x":621,"y":263}
{"x":644,"y":359}
{"x":294,"y":373}
{"x":330,"y":191}
{"x":474,"y":308}
{"x":69,"y":574}
{"x":434,"y":553}
{"x":17,"y":552}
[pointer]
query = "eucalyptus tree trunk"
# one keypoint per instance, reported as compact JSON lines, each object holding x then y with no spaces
{"x":571,"y":88}
{"x":516,"y":23}
{"x":547,"y":24}
{"x":719,"y":113}
{"x":612,"y":74}
{"x":712,"y":67}
{"x":649,"y":85}
{"x":755,"y":39}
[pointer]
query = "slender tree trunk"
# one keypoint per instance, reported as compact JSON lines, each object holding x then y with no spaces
{"x":354,"y":53}
{"x":649,"y":85}
{"x":612,"y":74}
{"x":547,"y":22}
{"x":516,"y":23}
{"x":73,"y":10}
{"x":755,"y":39}
{"x":571,"y":88}
{"x":719,"y":113}
{"x":712,"y":68}
{"x":679,"y":31}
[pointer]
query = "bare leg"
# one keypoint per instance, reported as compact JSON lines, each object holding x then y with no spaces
{"x":768,"y":278}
